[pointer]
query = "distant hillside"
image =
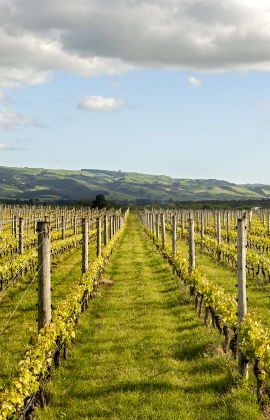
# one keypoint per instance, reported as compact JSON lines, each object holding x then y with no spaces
{"x":124,"y":187}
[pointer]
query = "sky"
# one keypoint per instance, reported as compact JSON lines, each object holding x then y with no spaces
{"x":167,"y":87}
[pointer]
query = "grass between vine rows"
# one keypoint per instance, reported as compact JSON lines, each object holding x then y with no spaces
{"x":142,"y":353}
{"x":14,"y":339}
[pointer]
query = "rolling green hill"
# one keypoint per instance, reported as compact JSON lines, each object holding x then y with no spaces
{"x":50,"y":185}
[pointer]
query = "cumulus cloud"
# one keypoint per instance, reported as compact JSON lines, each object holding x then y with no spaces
{"x":194,"y":81}
{"x":112,"y":37}
{"x":99,"y":103}
{"x":9,"y":120}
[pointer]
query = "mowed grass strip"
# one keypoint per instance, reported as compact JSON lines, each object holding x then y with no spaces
{"x":66,"y":269}
{"x":142,"y":353}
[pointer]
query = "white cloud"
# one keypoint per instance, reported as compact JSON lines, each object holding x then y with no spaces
{"x":90,"y":38}
{"x":4,"y":146}
{"x":194,"y":81}
{"x":9,"y":120}
{"x":99,"y":103}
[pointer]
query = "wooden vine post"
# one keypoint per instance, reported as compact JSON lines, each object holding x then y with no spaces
{"x":111,"y":226}
{"x":202,"y":229}
{"x":63,"y":227}
{"x":173,"y":233}
{"x":191,"y":248}
{"x":241,"y":288}
{"x":105,"y":230}
{"x":75,"y":225}
{"x":228,"y":226}
{"x":14,"y":226}
{"x":21,"y":233}
{"x":182,"y":223}
{"x":44,"y":274}
{"x":84,"y":245}
{"x":98,"y":236}
{"x":157,"y":226}
{"x":163,"y":231}
{"x":218,"y":234}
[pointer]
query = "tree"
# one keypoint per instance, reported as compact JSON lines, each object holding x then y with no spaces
{"x":100,"y":201}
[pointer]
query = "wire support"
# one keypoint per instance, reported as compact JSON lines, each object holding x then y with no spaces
{"x":16,"y":307}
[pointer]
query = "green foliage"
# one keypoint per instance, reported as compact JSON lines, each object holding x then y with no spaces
{"x":99,"y":202}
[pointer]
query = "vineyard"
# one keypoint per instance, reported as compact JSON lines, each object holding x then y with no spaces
{"x":154,"y":314}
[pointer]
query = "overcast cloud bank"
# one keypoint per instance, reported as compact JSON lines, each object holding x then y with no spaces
{"x":104,"y":36}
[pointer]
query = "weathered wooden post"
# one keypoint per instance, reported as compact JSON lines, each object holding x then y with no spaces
{"x":182,"y":223}
{"x":228,"y":225}
{"x":75,"y":225}
{"x":191,"y":248}
{"x":241,"y":288}
{"x":105,"y":230}
{"x":44,"y":274}
{"x":163,"y":231}
{"x":85,"y":229}
{"x":63,"y":227}
{"x":21,"y":235}
{"x":111,"y":227}
{"x":146,"y":220}
{"x":218,"y":235}
{"x":202,"y":229}
{"x":157,"y":225}
{"x":173,"y":234}
{"x":152,"y":227}
{"x":98,"y":236}
{"x":14,"y":226}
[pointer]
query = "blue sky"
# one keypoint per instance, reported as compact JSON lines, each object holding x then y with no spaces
{"x":180,"y":88}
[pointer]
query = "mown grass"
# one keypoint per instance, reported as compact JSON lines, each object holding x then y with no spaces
{"x":15,"y":337}
{"x":142,"y":353}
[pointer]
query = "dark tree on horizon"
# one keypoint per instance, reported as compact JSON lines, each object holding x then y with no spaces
{"x":100,"y":201}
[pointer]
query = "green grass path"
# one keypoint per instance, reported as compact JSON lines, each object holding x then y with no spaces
{"x":142,"y":353}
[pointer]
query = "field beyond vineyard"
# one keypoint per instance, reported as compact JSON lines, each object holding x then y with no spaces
{"x":141,"y":352}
